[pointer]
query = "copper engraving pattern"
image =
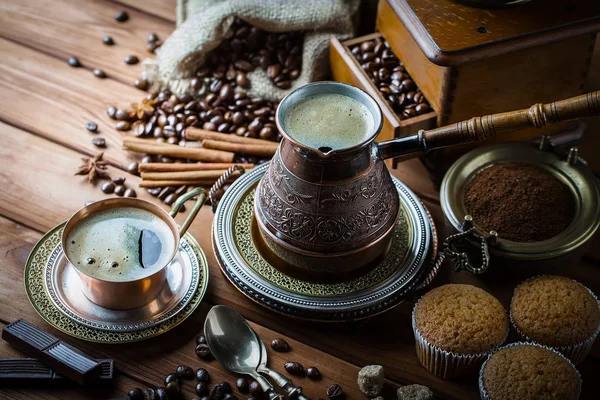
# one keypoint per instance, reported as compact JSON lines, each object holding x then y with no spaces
{"x":279,"y":204}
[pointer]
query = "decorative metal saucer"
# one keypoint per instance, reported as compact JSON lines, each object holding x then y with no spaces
{"x":409,"y":264}
{"x":54,"y":290}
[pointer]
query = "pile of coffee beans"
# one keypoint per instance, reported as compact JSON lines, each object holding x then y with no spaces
{"x":153,"y":43}
{"x":390,"y":77}
{"x":246,"y":47}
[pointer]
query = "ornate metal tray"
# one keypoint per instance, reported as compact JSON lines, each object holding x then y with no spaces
{"x":409,"y":264}
{"x":53,"y":288}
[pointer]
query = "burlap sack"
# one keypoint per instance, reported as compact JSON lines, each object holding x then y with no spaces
{"x":201,"y":25}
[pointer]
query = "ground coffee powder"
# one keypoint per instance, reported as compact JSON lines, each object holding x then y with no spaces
{"x":521,"y":202}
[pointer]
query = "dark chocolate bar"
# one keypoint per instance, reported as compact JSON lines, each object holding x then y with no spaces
{"x":30,"y":371}
{"x":56,"y":354}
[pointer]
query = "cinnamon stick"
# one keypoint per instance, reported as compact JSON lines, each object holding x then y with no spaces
{"x":201,"y":182}
{"x":260,"y":150}
{"x":182,"y":175}
{"x":198,"y":154}
{"x":202,"y":134}
{"x":178,"y":167}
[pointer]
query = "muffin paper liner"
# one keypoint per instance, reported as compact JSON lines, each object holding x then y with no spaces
{"x":446,"y":364}
{"x":482,"y":391}
{"x":576,"y":353}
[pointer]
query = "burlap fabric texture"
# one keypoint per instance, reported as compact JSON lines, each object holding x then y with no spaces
{"x":202,"y":24}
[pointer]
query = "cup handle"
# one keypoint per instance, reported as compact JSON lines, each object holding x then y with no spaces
{"x":201,"y":193}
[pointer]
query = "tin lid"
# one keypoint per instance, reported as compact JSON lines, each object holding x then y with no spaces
{"x":570,"y":171}
{"x":450,"y":33}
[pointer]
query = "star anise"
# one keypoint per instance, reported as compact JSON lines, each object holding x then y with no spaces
{"x":146,"y":106}
{"x":94,"y":168}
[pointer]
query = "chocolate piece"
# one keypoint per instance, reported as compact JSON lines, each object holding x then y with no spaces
{"x":24,"y":372}
{"x":51,"y":351}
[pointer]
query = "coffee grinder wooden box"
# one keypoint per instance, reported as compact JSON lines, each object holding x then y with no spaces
{"x":471,"y":62}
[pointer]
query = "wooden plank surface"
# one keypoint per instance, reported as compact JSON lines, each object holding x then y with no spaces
{"x":66,"y":28}
{"x":161,"y":8}
{"x":46,"y":101}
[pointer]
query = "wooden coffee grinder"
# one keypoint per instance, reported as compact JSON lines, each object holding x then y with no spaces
{"x":471,"y":61}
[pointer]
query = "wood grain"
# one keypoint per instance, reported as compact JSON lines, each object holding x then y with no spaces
{"x":165,"y":9}
{"x":55,"y":101}
{"x":66,"y":28}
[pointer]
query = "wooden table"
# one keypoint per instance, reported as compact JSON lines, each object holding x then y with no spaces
{"x":44,"y":106}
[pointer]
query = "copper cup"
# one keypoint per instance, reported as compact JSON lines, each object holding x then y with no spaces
{"x":122,"y":295}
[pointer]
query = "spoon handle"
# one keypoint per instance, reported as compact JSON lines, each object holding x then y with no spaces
{"x":267,"y":387}
{"x":293,"y":392}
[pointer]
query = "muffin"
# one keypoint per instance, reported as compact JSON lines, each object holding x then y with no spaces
{"x":528,"y":371}
{"x":455,"y":328}
{"x":558,"y":312}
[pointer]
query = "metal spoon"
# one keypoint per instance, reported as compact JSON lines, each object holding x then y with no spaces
{"x":293,"y":392}
{"x":235,"y":346}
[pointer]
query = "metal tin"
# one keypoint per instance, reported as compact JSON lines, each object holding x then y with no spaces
{"x":560,"y":251}
{"x":44,"y":268}
{"x":411,"y":261}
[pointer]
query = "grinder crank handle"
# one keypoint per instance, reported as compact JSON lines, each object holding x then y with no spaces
{"x":481,"y":128}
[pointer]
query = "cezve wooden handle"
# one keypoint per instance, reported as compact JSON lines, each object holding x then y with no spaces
{"x":538,"y":116}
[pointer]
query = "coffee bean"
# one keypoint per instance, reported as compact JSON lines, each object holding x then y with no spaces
{"x":99,"y":73}
{"x":200,"y":339}
{"x":153,"y":191}
{"x":153,"y":37}
{"x":108,"y":187}
{"x":242,"y":385}
{"x":203,"y":351}
{"x":120,"y":190}
{"x":111,"y":112}
{"x":280,"y":345}
{"x":255,"y":389}
{"x":367,"y":46}
{"x":409,"y":112}
{"x":146,"y":159}
{"x":121,"y":115}
{"x":74,"y":62}
{"x":335,"y":392}
{"x":202,"y":375}
{"x":229,"y":396}
{"x":122,"y":16}
{"x":171,"y":378}
{"x":202,"y":389}
{"x":131,"y":60}
{"x":99,"y":142}
{"x":184,"y":372}
{"x":107,"y":40}
{"x":266,"y":133}
{"x":141,"y":84}
{"x":255,"y":126}
{"x":170,"y":199}
{"x":150,"y":394}
{"x":151,"y":47}
{"x":172,"y":140}
{"x":123,"y":126}
{"x":130,"y":193}
{"x":216,"y":393}
{"x":295,"y":368}
{"x":313,"y":373}
{"x":226,"y":92}
{"x":242,"y":80}
{"x":243,"y":65}
{"x":161,"y":393}
{"x":133,"y":168}
{"x":284,"y":85}
{"x":136,"y":394}
{"x":422,"y":108}
{"x":91,"y":126}
{"x":173,"y":390}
